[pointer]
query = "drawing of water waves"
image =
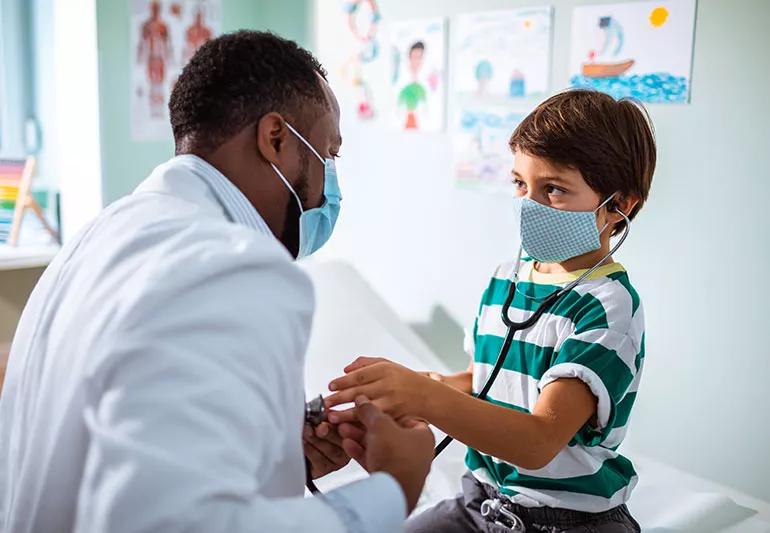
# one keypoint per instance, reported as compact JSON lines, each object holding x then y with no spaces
{"x":656,"y":88}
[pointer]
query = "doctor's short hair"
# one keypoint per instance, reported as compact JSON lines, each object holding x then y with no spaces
{"x":610,"y":142}
{"x":235,"y":79}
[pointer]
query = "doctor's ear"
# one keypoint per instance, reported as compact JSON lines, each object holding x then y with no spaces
{"x":271,"y":132}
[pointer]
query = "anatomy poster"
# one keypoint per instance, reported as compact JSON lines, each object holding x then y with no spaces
{"x":164,"y":36}
{"x":640,"y":49}
{"x":503,"y":53}
{"x":349,"y":44}
{"x":483,"y":158}
{"x":418,"y":58}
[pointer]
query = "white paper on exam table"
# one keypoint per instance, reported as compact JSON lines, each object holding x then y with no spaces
{"x":352,"y":319}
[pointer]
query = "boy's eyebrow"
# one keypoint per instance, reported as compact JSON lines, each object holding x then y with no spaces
{"x":551,"y":178}
{"x":554,"y":178}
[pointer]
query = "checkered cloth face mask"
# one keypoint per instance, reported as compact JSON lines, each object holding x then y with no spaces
{"x":552,"y":235}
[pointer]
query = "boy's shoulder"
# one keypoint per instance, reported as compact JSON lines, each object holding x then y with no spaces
{"x":609,"y":301}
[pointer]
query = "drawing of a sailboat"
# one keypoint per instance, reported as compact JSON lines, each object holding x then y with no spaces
{"x":613,"y":43}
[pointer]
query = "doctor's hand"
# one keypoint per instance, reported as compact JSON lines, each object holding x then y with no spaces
{"x":395,"y":389}
{"x":380,"y":444}
{"x":323,"y":448}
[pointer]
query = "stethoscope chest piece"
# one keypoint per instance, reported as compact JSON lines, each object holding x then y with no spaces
{"x":315,"y":411}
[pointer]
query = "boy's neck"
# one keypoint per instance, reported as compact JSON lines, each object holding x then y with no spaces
{"x":581,"y":262}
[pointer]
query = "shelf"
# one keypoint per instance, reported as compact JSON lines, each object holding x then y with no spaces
{"x":20,"y":257}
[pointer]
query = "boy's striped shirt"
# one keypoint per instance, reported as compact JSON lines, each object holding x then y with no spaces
{"x":594,"y":333}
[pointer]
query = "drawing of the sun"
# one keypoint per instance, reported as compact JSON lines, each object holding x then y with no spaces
{"x":527,"y":23}
{"x":659,"y":16}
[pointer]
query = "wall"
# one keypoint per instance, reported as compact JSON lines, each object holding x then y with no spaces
{"x":15,"y":101}
{"x":126,"y":162}
{"x":43,"y":51}
{"x":697,"y":254}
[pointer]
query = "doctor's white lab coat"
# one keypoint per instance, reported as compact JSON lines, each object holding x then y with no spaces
{"x":155,"y":382}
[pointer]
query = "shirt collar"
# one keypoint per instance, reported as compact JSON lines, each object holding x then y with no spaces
{"x":236,"y":205}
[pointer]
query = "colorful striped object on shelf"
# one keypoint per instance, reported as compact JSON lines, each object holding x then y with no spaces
{"x":11,"y":172}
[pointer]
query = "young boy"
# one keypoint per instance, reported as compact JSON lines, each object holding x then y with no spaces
{"x":542,"y":446}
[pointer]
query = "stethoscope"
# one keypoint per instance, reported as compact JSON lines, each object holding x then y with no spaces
{"x":315,"y":410}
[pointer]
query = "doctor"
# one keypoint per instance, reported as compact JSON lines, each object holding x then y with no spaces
{"x":156,"y":379}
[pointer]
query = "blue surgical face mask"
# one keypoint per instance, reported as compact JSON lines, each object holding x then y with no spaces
{"x":316,"y":225}
{"x":552,"y":235}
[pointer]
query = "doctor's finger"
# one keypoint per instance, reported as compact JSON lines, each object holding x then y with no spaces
{"x":363,"y":361}
{"x":369,"y":414}
{"x":353,"y":431}
{"x":355,"y":450}
{"x":332,"y":452}
{"x":319,"y":463}
{"x":326,"y":431}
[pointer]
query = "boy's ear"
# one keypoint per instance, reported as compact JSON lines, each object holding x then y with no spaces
{"x":626,"y":204}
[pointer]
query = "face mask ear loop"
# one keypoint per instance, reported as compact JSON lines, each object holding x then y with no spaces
{"x":605,"y":202}
{"x":304,"y":141}
{"x":285,"y":181}
{"x":603,"y":259}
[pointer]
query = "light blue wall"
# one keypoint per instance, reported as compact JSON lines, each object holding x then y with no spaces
{"x":125,"y":162}
{"x":42,"y":53}
{"x":698,"y":253}
{"x":16,"y":95}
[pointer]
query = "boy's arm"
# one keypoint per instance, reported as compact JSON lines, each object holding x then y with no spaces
{"x":462,"y":381}
{"x":526,"y":440}
{"x":530,"y":441}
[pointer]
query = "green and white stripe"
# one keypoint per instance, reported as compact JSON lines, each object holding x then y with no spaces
{"x":594,"y":333}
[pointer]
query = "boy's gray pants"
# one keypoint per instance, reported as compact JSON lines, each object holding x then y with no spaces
{"x":464,"y":514}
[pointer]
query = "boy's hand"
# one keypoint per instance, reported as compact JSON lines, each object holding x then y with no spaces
{"x":323,"y":448}
{"x":393,"y":388}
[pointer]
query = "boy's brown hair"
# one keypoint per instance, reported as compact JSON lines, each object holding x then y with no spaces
{"x":611,"y":142}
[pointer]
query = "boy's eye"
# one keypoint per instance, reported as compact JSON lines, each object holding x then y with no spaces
{"x":553,"y":191}
{"x":520,"y":185}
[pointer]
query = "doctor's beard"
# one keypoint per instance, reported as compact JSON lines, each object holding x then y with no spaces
{"x":290,"y":234}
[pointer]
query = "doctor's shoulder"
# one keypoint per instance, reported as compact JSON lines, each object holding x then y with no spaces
{"x":223,"y":248}
{"x":198,"y":253}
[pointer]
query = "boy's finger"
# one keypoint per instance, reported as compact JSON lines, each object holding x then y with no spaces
{"x":361,"y":362}
{"x":338,"y":398}
{"x":372,"y":390}
{"x":339,"y":417}
{"x":357,"y":378}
